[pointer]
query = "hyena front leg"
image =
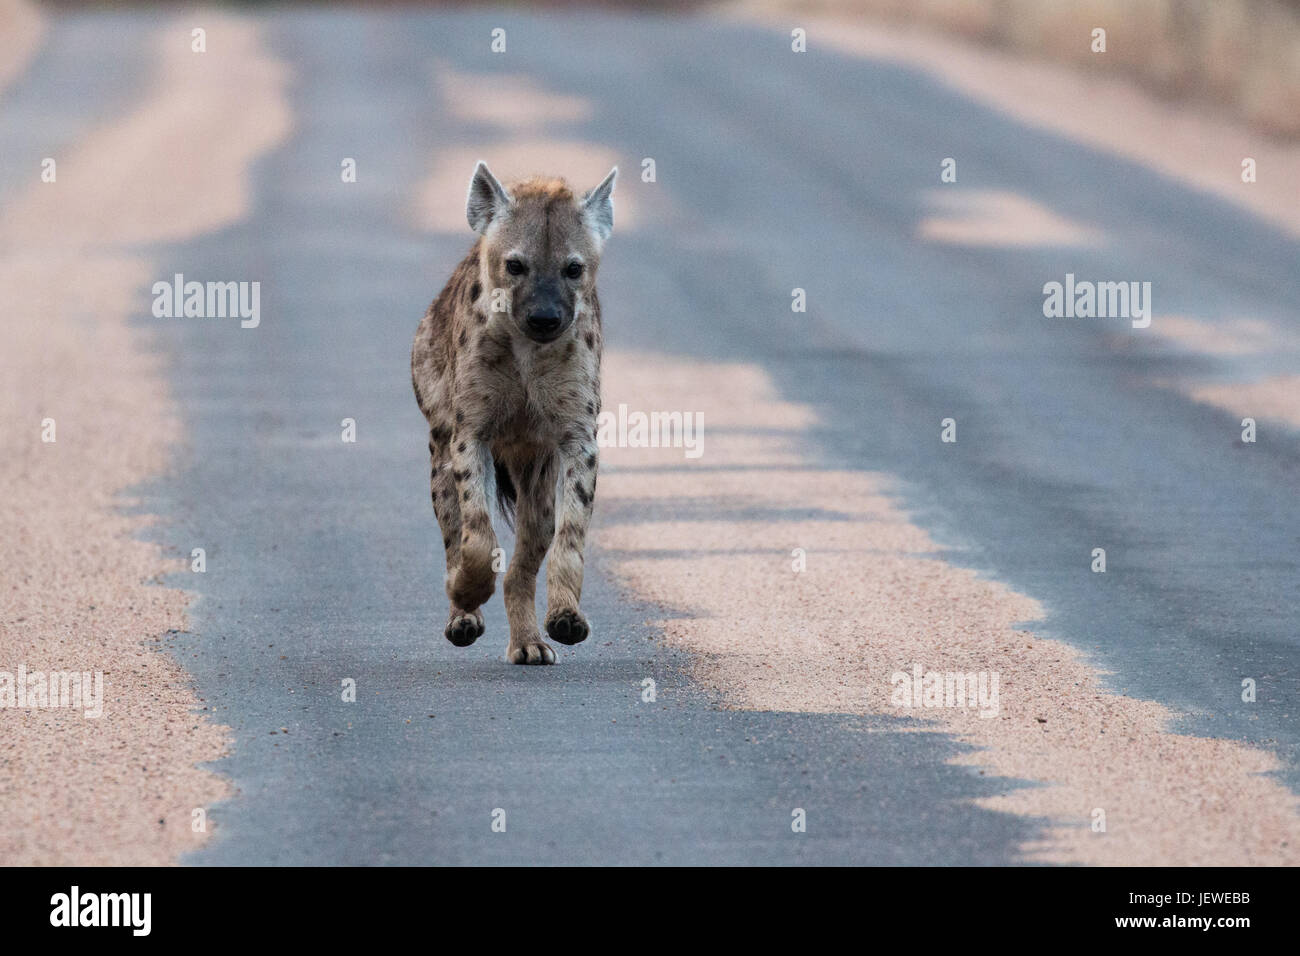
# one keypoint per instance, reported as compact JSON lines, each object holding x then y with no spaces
{"x":534,"y":483}
{"x":474,"y":579}
{"x":564,"y":622}
{"x":464,"y":627}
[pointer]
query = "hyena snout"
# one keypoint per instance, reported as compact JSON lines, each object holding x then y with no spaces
{"x":547,"y":313}
{"x":544,"y":323}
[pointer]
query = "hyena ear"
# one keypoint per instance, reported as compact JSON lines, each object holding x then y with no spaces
{"x":487,"y":197}
{"x":598,"y":207}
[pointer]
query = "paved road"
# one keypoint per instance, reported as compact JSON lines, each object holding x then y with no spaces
{"x":323,"y":561}
{"x":324,"y":553}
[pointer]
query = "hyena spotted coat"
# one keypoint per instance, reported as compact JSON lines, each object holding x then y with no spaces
{"x":506,"y":368}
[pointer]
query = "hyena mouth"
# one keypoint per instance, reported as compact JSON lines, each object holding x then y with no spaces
{"x":545,"y":338}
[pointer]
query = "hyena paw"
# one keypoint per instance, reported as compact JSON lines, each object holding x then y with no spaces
{"x":536,"y":651}
{"x":464,"y":629}
{"x":567,"y":626}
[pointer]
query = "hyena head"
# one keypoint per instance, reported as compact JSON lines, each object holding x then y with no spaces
{"x":540,"y":249}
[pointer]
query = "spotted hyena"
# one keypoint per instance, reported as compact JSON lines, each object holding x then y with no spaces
{"x":506,"y":368}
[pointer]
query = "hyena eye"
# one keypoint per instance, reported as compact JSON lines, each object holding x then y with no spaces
{"x":573,"y":270}
{"x":515,"y":267}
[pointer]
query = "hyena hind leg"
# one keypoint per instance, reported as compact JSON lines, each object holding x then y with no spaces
{"x":463,"y":627}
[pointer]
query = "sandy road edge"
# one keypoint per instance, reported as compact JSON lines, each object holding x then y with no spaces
{"x":22,"y":27}
{"x":823,"y":614}
{"x":88,"y":415}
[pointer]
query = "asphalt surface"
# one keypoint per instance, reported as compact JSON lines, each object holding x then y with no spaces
{"x":324,"y":564}
{"x":323,"y":558}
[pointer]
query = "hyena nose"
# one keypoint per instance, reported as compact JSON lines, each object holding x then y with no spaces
{"x":544,"y":321}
